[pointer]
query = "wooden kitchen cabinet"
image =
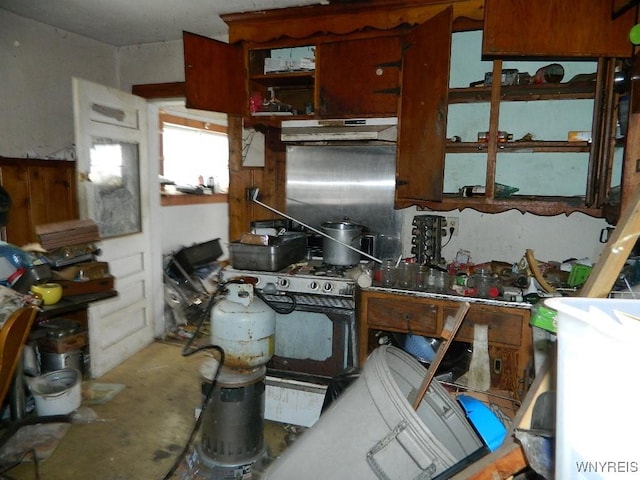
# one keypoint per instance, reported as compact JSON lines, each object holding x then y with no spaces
{"x":423,"y":112}
{"x":366,"y":54}
{"x":552,"y":28}
{"x":368,"y":84}
{"x":214,"y":75}
{"x":351,"y":42}
{"x":509,"y":331}
{"x":41,"y":191}
{"x":365,"y":85}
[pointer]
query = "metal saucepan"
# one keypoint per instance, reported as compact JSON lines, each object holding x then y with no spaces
{"x":348,"y":233}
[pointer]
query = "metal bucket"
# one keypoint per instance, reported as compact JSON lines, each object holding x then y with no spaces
{"x":51,"y":361}
{"x":345,"y":232}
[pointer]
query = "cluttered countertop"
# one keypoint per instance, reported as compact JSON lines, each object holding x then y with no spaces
{"x":60,"y":273}
{"x":499,"y":302}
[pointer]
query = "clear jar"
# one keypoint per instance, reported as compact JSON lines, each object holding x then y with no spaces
{"x":407,"y":273}
{"x":387,"y":273}
{"x":422,"y":277}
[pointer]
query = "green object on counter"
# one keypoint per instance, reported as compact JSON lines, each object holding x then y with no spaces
{"x":579,"y":274}
{"x":545,"y":318}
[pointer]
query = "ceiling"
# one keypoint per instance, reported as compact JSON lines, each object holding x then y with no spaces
{"x":134,"y":22}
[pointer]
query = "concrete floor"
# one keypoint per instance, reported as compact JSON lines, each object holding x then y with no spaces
{"x":141,"y":431}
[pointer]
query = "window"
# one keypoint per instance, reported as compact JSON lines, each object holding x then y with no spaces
{"x":195,"y":158}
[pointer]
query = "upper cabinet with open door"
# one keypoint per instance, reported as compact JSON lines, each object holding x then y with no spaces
{"x":214,"y":75}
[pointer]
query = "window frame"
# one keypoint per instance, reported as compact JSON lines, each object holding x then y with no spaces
{"x":179,"y":199}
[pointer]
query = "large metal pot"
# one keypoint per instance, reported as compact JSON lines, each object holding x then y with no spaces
{"x":346,"y":232}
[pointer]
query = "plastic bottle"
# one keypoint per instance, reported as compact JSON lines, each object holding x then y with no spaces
{"x":12,"y":259}
{"x":552,"y":73}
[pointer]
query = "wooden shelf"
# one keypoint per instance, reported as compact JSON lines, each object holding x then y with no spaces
{"x":177,"y":199}
{"x":538,"y":205}
{"x":519,"y":147}
{"x":525,"y":93}
{"x":286,"y":79}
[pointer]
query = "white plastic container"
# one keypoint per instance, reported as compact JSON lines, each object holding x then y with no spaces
{"x":372,"y":430}
{"x":597,"y":415}
{"x":58,"y":392}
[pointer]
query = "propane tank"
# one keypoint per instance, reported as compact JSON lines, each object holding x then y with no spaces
{"x":244,"y":326}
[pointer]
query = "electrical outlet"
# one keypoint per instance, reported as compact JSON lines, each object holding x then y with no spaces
{"x":452,"y":222}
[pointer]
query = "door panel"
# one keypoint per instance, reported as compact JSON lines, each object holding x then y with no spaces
{"x":214,"y":75}
{"x":580,"y":28}
{"x":120,"y":326}
{"x":367,"y":84}
{"x":423,"y":112}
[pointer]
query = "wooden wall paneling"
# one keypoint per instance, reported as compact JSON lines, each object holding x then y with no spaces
{"x":42,"y":191}
{"x":60,"y":191}
{"x":239,"y":180}
{"x":15,"y":182}
{"x":270,"y":179}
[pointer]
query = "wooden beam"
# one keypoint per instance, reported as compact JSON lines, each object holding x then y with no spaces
{"x":160,"y":90}
{"x":615,"y":253}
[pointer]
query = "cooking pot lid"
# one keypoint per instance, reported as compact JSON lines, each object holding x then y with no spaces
{"x":342,"y":225}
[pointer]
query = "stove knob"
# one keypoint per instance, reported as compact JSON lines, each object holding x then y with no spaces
{"x":283,"y":282}
{"x":313,"y":285}
{"x":327,"y":287}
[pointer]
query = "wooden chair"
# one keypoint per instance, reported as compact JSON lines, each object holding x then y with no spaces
{"x":13,"y":336}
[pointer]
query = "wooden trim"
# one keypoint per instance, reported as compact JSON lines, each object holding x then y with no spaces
{"x":341,"y":19}
{"x":179,"y":199}
{"x":190,"y":122}
{"x":160,"y":90}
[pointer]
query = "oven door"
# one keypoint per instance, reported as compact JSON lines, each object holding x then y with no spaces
{"x":316,"y":341}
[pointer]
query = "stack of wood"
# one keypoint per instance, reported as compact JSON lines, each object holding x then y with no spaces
{"x":71,"y":232}
{"x":71,"y":253}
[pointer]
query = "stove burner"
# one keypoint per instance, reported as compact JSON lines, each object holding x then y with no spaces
{"x":326,"y":270}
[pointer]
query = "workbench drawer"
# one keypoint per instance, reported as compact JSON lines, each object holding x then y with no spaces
{"x":416,"y":317}
{"x":504,"y":327}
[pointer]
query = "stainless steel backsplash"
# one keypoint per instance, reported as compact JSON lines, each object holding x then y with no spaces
{"x":331,"y":182}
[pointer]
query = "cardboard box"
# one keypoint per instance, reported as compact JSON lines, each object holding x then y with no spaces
{"x":579,"y":136}
{"x":92,"y":270}
{"x":64,"y":344}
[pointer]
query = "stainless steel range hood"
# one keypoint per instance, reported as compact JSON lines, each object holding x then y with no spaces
{"x":382,"y":129}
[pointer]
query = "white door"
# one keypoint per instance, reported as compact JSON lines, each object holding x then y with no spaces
{"x":114,"y":175}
